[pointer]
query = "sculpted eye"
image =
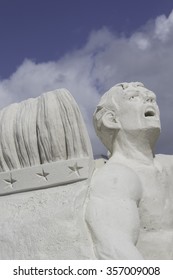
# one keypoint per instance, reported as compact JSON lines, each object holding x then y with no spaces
{"x":133,"y":97}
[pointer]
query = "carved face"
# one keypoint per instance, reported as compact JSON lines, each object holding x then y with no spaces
{"x":138,"y":108}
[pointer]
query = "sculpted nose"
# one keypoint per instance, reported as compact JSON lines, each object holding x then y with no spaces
{"x":149,"y":99}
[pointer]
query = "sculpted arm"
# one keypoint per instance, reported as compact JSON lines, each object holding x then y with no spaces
{"x":112,"y":213}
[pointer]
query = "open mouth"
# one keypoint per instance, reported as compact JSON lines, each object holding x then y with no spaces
{"x":149,"y":113}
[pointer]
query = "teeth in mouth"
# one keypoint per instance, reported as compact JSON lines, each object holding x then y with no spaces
{"x":149,"y":114}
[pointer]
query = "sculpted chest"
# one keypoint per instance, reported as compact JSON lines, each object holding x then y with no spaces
{"x":156,"y":204}
{"x":156,"y":214}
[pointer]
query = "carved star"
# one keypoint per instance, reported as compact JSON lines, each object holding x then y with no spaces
{"x":75,"y":169}
{"x":10,"y":181}
{"x":43,"y":174}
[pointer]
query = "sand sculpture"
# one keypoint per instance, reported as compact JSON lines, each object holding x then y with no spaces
{"x":55,"y":204}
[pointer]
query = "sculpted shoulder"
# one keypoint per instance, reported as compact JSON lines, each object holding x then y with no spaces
{"x":116,"y":180}
{"x":166,"y":161}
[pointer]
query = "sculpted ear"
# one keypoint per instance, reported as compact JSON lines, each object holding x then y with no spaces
{"x":110,"y":121}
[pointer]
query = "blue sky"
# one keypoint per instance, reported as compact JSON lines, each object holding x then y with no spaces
{"x":44,"y":30}
{"x":87,"y":47}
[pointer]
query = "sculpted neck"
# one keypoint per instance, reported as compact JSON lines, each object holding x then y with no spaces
{"x":135,"y":145}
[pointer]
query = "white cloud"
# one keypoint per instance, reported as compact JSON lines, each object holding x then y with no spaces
{"x":140,"y":41}
{"x":163,"y":27}
{"x":105,"y":60}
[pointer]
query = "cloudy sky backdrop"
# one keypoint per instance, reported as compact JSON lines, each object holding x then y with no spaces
{"x":87,"y":47}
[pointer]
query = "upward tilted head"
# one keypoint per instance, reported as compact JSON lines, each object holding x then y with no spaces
{"x":126,"y":106}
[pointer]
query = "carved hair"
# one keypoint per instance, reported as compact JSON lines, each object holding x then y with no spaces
{"x":44,"y":129}
{"x":109,"y":104}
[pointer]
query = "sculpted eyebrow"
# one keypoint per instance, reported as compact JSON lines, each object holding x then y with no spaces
{"x":132,"y":93}
{"x":150,"y":95}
